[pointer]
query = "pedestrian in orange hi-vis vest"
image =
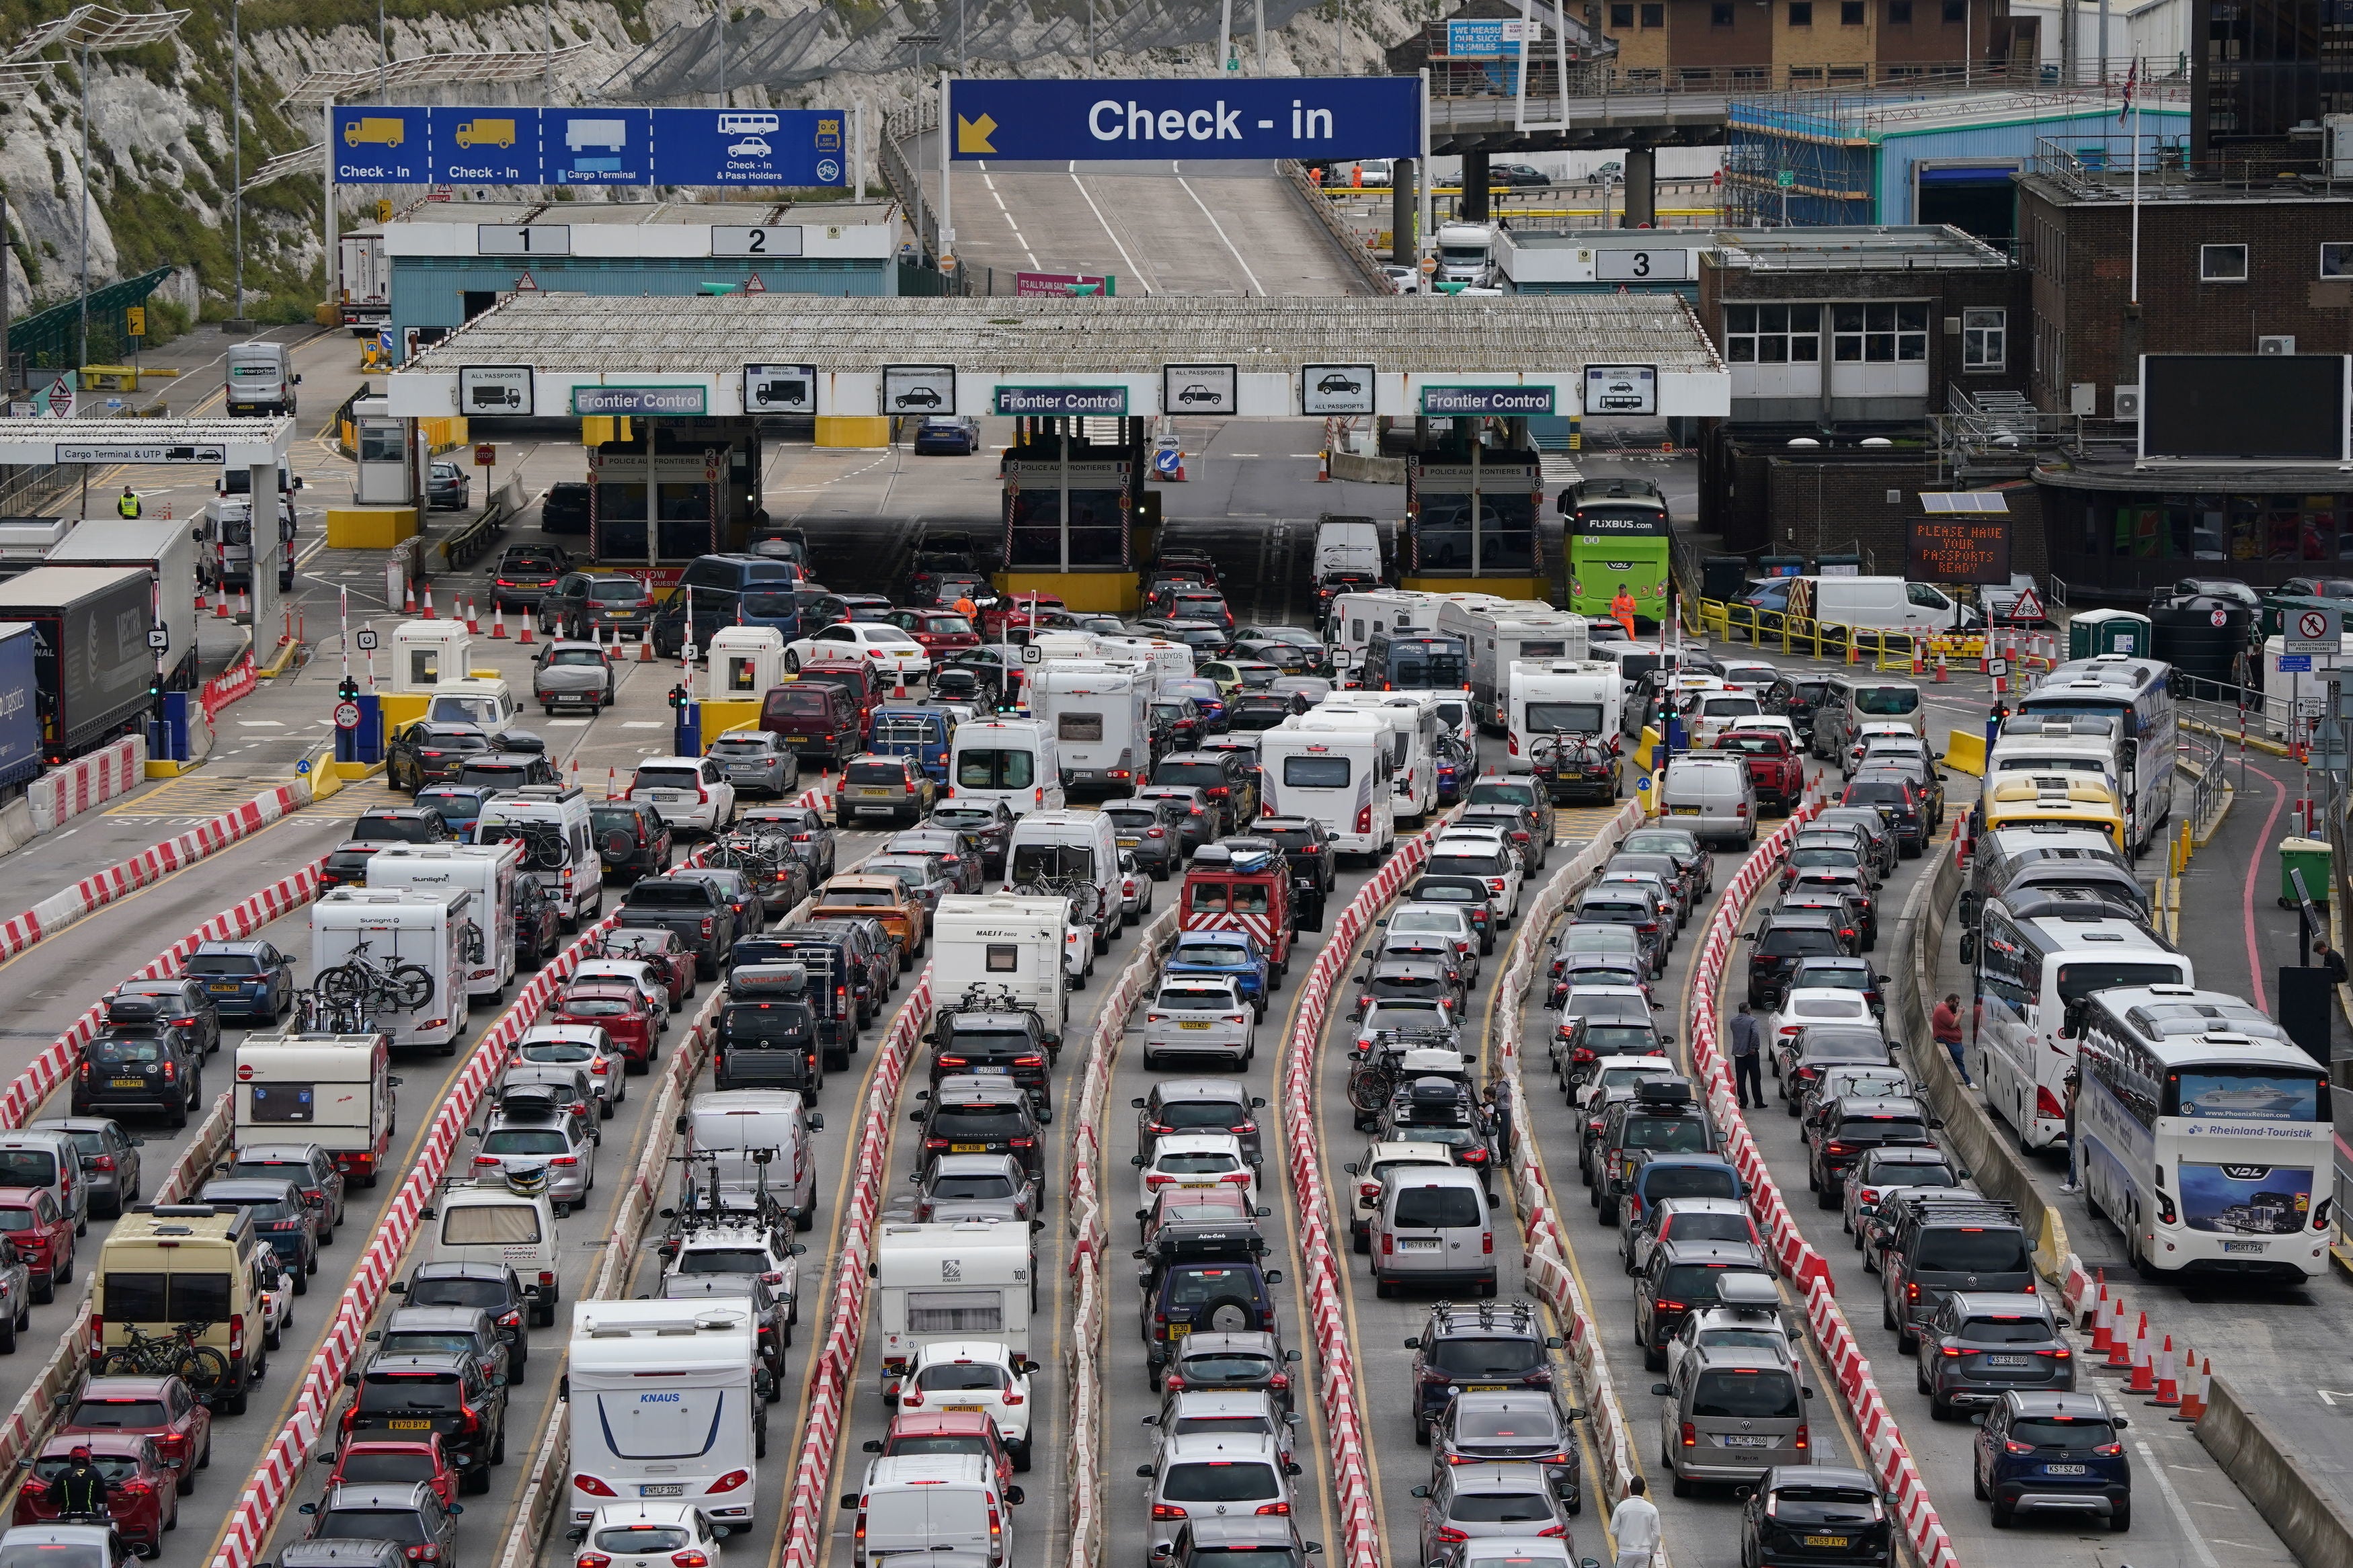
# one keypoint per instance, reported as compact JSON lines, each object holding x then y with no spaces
{"x":1621,"y":609}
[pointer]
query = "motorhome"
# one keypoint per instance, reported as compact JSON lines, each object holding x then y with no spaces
{"x":397,"y":954}
{"x":664,"y":1405}
{"x":1337,"y":774}
{"x":1355,"y":617}
{"x":1413,"y":725}
{"x":1101,"y":720}
{"x":488,"y":872}
{"x":1501,"y":636}
{"x":1559,"y":696}
{"x":1002,"y":943}
{"x":334,"y":1090}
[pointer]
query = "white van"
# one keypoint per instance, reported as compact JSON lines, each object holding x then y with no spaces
{"x":922,"y":1504}
{"x":392,"y":930}
{"x":1709,"y":794}
{"x":964,"y":1279}
{"x":1877,"y":603}
{"x":480,"y":697}
{"x":1002,"y":943}
{"x":1158,"y":657}
{"x":1347,"y":545}
{"x":1101,"y":720}
{"x":733,"y":1123}
{"x":334,"y":1090}
{"x":1013,"y":762}
{"x":486,"y":1221}
{"x":1066,"y":845}
{"x":488,"y":872}
{"x":1336,"y":773}
{"x":663,"y":1404}
{"x":1582,"y":697}
{"x":1430,"y":1228}
{"x":551,"y":823}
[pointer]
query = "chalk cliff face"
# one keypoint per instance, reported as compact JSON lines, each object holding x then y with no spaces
{"x":159,"y":162}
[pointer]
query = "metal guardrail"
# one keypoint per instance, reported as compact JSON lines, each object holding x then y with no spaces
{"x":469,"y":545}
{"x":1909,"y":652}
{"x":1360,"y":257}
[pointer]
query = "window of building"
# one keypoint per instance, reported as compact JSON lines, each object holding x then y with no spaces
{"x":1869,"y":332}
{"x":1772,"y":334}
{"x":1654,"y":16}
{"x":1899,"y":13}
{"x":2336,"y":260}
{"x":1621,"y":17}
{"x":1985,"y":339}
{"x":1801,"y":13}
{"x":1719,"y":15}
{"x":1850,"y":12}
{"x":2223,"y":263}
{"x":2279,"y":529}
{"x":1956,"y":13}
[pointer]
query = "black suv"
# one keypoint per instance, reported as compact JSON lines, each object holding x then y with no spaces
{"x":140,"y":1061}
{"x":974,"y":1115}
{"x":632,"y":839}
{"x":767,"y":1031}
{"x":526,"y":574}
{"x":1851,"y":1124}
{"x":1936,"y":1247}
{"x":1203,"y":1276}
{"x":450,"y":1392}
{"x":1786,"y":936}
{"x":1229,"y":778}
{"x":1680,"y":1279}
{"x":984,"y":1036}
{"x":1660,"y":1118}
{"x":1494,"y":1345}
{"x":565,"y":508}
{"x":186,"y":1003}
{"x":696,"y":909}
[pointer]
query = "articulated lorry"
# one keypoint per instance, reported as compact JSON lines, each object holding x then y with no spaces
{"x":167,"y":551}
{"x":91,"y":664}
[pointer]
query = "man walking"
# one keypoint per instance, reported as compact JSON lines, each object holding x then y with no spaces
{"x":1747,"y":1041}
{"x":1621,"y":610}
{"x":1946,"y":1025}
{"x":129,"y":505}
{"x":1635,"y":1524}
{"x":2071,"y":1086}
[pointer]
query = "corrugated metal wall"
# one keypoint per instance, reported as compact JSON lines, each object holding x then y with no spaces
{"x":430,"y":292}
{"x":2010,"y":142}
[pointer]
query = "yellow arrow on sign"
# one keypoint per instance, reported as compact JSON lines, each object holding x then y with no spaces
{"x":972,"y":135}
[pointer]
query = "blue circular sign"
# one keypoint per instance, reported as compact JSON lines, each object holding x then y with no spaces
{"x":827,"y":171}
{"x":1642,"y":783}
{"x":303,"y":766}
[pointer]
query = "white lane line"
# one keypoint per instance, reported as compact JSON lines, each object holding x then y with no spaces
{"x":1221,"y":235}
{"x":2173,"y":1500}
{"x":1132,"y":268}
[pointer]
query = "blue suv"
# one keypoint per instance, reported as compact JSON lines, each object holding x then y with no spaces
{"x":1229,"y":954}
{"x":2055,"y":1451}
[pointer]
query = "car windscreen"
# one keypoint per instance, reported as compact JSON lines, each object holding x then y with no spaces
{"x":1887,"y":701}
{"x":401,"y":1526}
{"x":988,"y":767}
{"x":1666,"y":1134}
{"x":1740,"y":1394}
{"x":427,"y":1342}
{"x":1972,"y":1250}
{"x":1465,"y":864}
{"x":1211,"y":955}
{"x":116,"y":1468}
{"x":525,"y":1141}
{"x":721,"y":1260}
{"x":363,"y":1467}
{"x":490,"y":1294}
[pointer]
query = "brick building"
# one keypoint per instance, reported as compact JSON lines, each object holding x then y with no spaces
{"x":1768,"y":45}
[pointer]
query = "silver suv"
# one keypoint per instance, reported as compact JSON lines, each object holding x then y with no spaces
{"x":1730,"y":1414}
{"x":1204,"y":1475}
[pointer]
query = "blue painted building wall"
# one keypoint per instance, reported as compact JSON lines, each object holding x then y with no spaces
{"x":1998,"y":143}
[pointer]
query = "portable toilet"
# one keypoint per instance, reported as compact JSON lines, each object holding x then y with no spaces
{"x":2095,"y":632}
{"x":745,"y":662}
{"x":425,"y":654}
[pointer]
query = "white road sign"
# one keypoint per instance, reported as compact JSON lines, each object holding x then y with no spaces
{"x":2312,"y":631}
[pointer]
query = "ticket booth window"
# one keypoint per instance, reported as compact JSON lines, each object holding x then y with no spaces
{"x":424,"y":667}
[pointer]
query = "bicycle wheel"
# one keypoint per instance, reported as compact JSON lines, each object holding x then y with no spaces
{"x":342,"y":984}
{"x":1368,"y":1091}
{"x":201,"y":1367}
{"x":412,"y":985}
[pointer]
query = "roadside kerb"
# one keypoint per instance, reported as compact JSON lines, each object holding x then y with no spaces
{"x":1091,"y":1236}
{"x":1545,"y":1249}
{"x":1886,"y":1454}
{"x":1326,"y":1310}
{"x":94,"y":892}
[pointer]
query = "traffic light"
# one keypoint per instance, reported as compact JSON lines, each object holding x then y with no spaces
{"x":348,"y":690}
{"x":678,"y":698}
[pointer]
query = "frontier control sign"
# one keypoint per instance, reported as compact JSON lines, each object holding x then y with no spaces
{"x":1059,"y":400}
{"x":1498,"y":401}
{"x":1264,"y":117}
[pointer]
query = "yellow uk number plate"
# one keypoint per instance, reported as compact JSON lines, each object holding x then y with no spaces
{"x":1189,"y":1024}
{"x":1826,"y":1541}
{"x":131,"y":1083}
{"x":410,"y":1426}
{"x":967,"y":1148}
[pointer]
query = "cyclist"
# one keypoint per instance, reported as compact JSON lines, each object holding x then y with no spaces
{"x":80,"y":1487}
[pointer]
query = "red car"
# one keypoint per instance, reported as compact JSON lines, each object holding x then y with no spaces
{"x":659,"y":947}
{"x":163,"y":1408}
{"x":1774,"y":765}
{"x":141,"y":1491}
{"x":618,"y":1010}
{"x":940,"y":631}
{"x":945,"y":1431}
{"x":396,"y":1461}
{"x":1020,"y":612}
{"x":44,"y":1235}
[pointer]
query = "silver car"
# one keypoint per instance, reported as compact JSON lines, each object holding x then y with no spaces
{"x":586,"y":1047}
{"x":1473,"y":1502}
{"x":572,"y":676}
{"x":1185,"y":1412}
{"x":538,"y":1133}
{"x":1199,"y":1016}
{"x":1729,"y":1413}
{"x":757,"y":762}
{"x":972,"y":1186}
{"x":110,"y":1159}
{"x":1203,"y":1475}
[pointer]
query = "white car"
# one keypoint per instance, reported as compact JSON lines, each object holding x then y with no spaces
{"x":690,"y":792}
{"x":1380,"y":1155}
{"x":1195,"y":1159}
{"x":1402,"y":1015}
{"x":649,"y":1534}
{"x":744,"y":1249}
{"x":1134,"y":887}
{"x":1750,"y":674}
{"x":637,"y":973}
{"x":1490,"y":833}
{"x":277,"y":1308}
{"x":1448,"y":921}
{"x":1199,"y":1016}
{"x":582,"y":1045}
{"x":1807,"y":1004}
{"x":1744,"y":1327}
{"x":749,"y":147}
{"x":972,"y":1374}
{"x":1505,"y":901}
{"x":885,"y":649}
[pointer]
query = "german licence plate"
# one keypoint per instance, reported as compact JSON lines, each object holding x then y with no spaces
{"x":967,"y":1148}
{"x":410,"y":1426}
{"x":1743,"y":1440}
{"x":1826,"y":1541}
{"x":131,"y":1083}
{"x":662,"y":1488}
{"x":2066,"y":1469}
{"x":2244,"y":1245}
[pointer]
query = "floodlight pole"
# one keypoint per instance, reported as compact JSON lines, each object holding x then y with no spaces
{"x":1225,"y":33}
{"x":83,"y":357}
{"x":236,"y":147}
{"x":383,"y":53}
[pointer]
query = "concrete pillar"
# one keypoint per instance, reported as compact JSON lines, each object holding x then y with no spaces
{"x":1474,"y":204}
{"x":1403,"y":174}
{"x":1641,"y":189}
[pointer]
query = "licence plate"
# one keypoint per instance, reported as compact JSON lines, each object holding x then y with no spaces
{"x":971,"y":1408}
{"x":1742,"y":1441}
{"x":1189,"y":1025}
{"x":1826,"y":1541}
{"x":967,"y":1148}
{"x":410,"y":1426}
{"x":1484,"y":1387}
{"x":2066,"y":1469}
{"x":622,"y":616}
{"x":662,"y":1488}
{"x":2244,"y":1245}
{"x":2010,"y":1360}
{"x":222,"y":986}
{"x":1179,"y":1331}
{"x":870,"y":794}
{"x":131,"y":1083}
{"x":1683,"y":811}
{"x":1129,"y":843}
{"x":1417,"y":1244}
{"x":797,"y":740}
{"x":987,"y":1071}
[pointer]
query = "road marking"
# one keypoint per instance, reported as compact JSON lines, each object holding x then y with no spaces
{"x":1221,"y":234}
{"x":2173,"y":1502}
{"x":1133,"y":270}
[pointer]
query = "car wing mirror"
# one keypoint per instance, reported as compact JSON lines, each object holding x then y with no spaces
{"x":1660,"y":1389}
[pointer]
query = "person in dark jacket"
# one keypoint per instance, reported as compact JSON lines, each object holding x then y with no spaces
{"x":80,"y":1486}
{"x":2329,"y":959}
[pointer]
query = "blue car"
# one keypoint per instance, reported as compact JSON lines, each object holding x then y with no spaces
{"x":1229,"y":954}
{"x":460,"y":806}
{"x":913,"y":729}
{"x":958,"y":433}
{"x":250,"y":979}
{"x":2057,"y":1453}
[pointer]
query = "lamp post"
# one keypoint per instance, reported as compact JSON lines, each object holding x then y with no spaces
{"x":236,"y":145}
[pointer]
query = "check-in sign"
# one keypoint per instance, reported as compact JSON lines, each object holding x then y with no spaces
{"x":1059,"y":400}
{"x":1157,"y":118}
{"x":1474,"y":401}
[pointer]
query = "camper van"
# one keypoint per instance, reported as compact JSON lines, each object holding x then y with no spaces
{"x":486,"y":870}
{"x":1003,"y":942}
{"x":334,"y":1090}
{"x":733,"y":1127}
{"x":1581,"y":697}
{"x":1501,"y":636}
{"x":967,"y":1280}
{"x":1102,"y":721}
{"x":1069,"y":846}
{"x":551,"y":822}
{"x":489,"y":1221}
{"x":396,"y":934}
{"x":664,"y":1406}
{"x":1336,"y":773}
{"x":1413,"y":725}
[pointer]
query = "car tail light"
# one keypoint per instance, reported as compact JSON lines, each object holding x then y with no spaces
{"x":1449,"y":1535}
{"x":1280,"y":1508}
{"x":1805,"y":1437}
{"x":1663,"y":1305}
{"x":2012,"y":1446}
{"x":1166,"y":1510}
{"x":1951,"y":1349}
{"x":1912,"y":1290}
{"x":1555,"y":1530}
{"x":2045,"y":1105}
{"x":1156,"y":1181}
{"x":1487,"y":1242}
{"x":236,"y":1336}
{"x":97,"y":1335}
{"x":592,"y":1559}
{"x":1235,"y":1179}
{"x":486,"y":1159}
{"x":730,"y":1482}
{"x":1388,"y":1244}
{"x":2109,"y":1451}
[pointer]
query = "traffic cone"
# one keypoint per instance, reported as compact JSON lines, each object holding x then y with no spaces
{"x":498,"y":622}
{"x":408,"y":598}
{"x":1940,"y":669}
{"x":2193,"y":1397}
{"x":1323,"y":467}
{"x":898,"y":685}
{"x":429,"y":601}
{"x":612,"y":783}
{"x":528,"y":621}
{"x":2100,"y":1317}
{"x":244,"y":604}
{"x":2169,"y":1386}
{"x":2144,"y":1365}
{"x":200,"y":597}
{"x":473,"y":617}
{"x":1919,"y":659}
{"x":645,"y":645}
{"x":2119,"y":1342}
{"x":220,"y":607}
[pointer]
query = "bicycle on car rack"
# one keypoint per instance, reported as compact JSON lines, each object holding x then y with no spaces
{"x":1379,"y":1064}
{"x":359,"y":982}
{"x":178,"y":1353}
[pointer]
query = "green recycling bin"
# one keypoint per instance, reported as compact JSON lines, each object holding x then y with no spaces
{"x":2095,"y":632}
{"x":2309,"y":856}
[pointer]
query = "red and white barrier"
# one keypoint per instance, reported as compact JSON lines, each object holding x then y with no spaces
{"x":70,"y":789}
{"x":1886,"y":1454}
{"x":237,"y":680}
{"x":94,"y":892}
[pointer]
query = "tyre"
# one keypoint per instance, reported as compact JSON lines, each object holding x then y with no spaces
{"x":1976,"y":1483}
{"x":499,"y":1449}
{"x":302,"y":1282}
{"x":2004,"y":1514}
{"x":2120,"y":1517}
{"x":8,"y":1336}
{"x":237,"y":1404}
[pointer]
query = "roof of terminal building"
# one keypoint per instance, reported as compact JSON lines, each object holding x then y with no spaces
{"x":1125,"y":335}
{"x":637,"y":214}
{"x":1857,"y":248}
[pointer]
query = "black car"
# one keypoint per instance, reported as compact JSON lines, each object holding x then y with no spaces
{"x":565,"y":509}
{"x":583,"y":603}
{"x":526,"y":574}
{"x":632,"y":839}
{"x":492,"y":1287}
{"x":697,"y":908}
{"x":1817,"y":1516}
{"x":186,"y":1003}
{"x":1489,"y":1346}
{"x":1181,"y":722}
{"x":426,"y":1331}
{"x":152,"y":1065}
{"x":1680,"y":1277}
{"x":427,"y":751}
{"x":1848,"y":1126}
{"x":345,"y":865}
{"x":1787,"y":936}
{"x":445,"y":1392}
{"x":403,"y":825}
{"x":969,"y":1115}
{"x":538,"y":920}
{"x":1306,"y":843}
{"x":286,"y":1225}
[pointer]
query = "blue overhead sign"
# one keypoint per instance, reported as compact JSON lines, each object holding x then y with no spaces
{"x":1250,"y":117}
{"x":515,"y":146}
